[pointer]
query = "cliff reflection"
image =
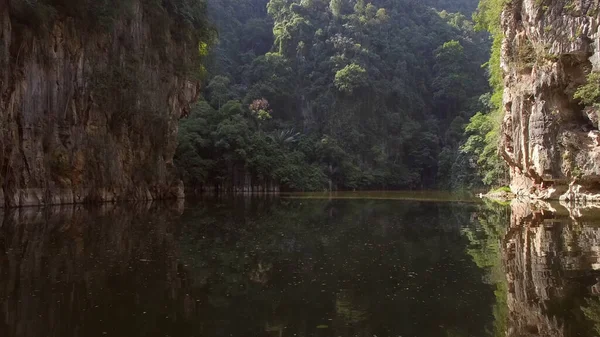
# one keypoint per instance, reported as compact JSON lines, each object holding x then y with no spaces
{"x":77,"y":271}
{"x":551,"y":262}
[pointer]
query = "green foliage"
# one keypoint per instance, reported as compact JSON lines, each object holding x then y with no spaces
{"x":261,"y":110}
{"x":336,"y":7}
{"x":379,"y":90}
{"x":351,"y":78}
{"x":505,"y":189}
{"x":220,"y":92}
{"x":482,"y":144}
{"x":215,"y":144}
{"x":589,"y":93}
{"x":465,"y":7}
{"x":487,"y":18}
{"x":592,"y":312}
{"x":483,"y":131}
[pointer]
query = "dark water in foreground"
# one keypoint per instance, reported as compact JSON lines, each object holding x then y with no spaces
{"x":300,"y":267}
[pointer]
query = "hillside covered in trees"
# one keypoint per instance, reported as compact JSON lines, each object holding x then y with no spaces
{"x":338,"y":94}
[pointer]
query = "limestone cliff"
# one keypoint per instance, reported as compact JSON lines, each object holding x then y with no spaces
{"x":91,"y":93}
{"x":550,"y":141}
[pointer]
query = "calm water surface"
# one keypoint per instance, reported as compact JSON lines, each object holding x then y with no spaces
{"x":303,"y":265}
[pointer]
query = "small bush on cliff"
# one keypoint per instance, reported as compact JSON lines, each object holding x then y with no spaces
{"x":591,"y":310}
{"x":589,"y":93}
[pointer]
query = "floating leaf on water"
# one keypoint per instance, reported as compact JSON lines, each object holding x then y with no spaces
{"x":322,"y":326}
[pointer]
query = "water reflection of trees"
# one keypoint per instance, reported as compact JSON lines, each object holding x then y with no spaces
{"x":485,"y":236}
{"x":343,"y":268}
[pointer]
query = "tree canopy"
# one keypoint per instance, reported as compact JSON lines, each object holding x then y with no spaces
{"x":361,"y":95}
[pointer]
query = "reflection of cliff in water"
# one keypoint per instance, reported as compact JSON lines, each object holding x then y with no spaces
{"x":551,"y":264}
{"x":74,"y":271}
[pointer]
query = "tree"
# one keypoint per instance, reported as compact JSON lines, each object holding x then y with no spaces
{"x":351,"y":78}
{"x":261,"y":110}
{"x":382,"y":15}
{"x":219,"y":91}
{"x":336,"y":7}
{"x":483,"y":145}
{"x":356,"y":84}
{"x":359,"y":7}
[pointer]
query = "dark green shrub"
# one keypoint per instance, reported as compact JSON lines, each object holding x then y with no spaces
{"x":589,"y":93}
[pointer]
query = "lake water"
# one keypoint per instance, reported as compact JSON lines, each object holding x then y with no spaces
{"x":305,"y":265}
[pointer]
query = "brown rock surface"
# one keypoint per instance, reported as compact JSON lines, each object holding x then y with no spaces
{"x":548,"y":138}
{"x":90,"y":114}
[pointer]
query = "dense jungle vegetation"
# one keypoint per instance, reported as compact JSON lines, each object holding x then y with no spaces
{"x":344,"y":94}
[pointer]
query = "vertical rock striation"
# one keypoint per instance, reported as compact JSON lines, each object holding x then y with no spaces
{"x":89,"y":110}
{"x":550,"y":141}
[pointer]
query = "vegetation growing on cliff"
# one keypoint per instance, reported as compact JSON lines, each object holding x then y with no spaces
{"x":483,"y":129}
{"x":589,"y":93}
{"x":371,"y":94}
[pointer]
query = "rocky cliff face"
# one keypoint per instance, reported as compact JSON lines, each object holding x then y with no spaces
{"x":89,"y":109}
{"x":550,"y":141}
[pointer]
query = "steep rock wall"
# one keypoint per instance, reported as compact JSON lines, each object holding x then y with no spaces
{"x":89,"y":112}
{"x":550,"y":141}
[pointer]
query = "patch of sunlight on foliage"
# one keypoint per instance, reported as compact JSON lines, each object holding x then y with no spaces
{"x":351,"y":78}
{"x":203,"y":48}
